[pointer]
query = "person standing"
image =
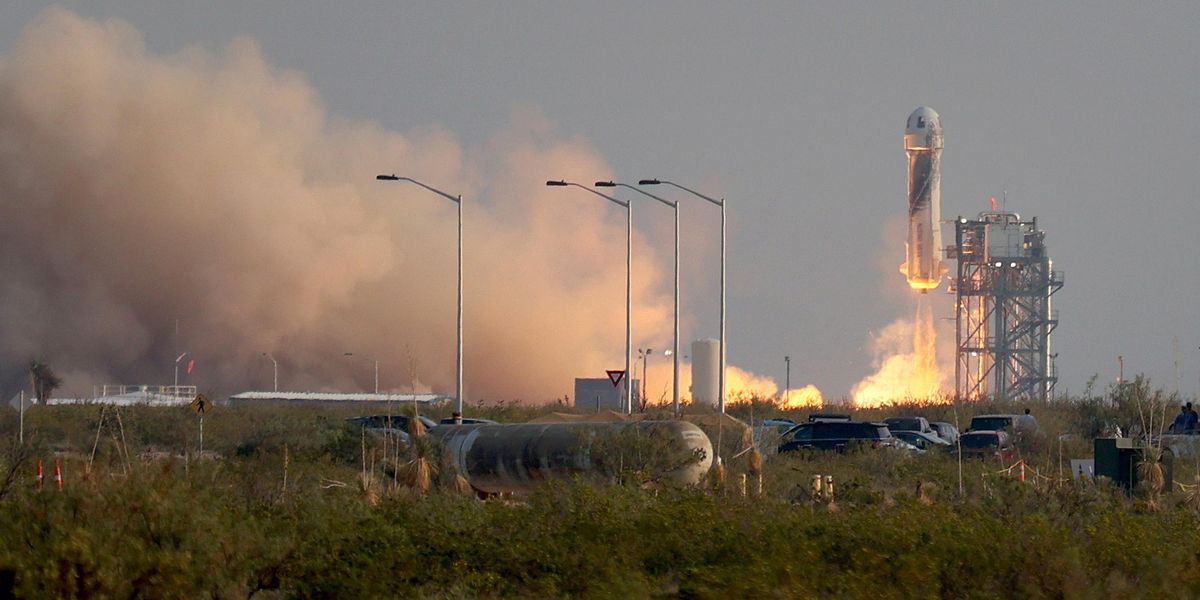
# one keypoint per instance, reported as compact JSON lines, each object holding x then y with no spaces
{"x":1180,"y":424}
{"x":1026,"y":422}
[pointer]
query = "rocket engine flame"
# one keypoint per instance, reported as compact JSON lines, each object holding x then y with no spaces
{"x":905,"y":372}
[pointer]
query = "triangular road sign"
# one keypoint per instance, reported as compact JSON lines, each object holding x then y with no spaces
{"x":615,"y":377}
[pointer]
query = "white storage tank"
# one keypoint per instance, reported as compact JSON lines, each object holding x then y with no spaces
{"x":706,"y":371}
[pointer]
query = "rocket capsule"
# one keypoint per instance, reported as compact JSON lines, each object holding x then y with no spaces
{"x":923,"y":249}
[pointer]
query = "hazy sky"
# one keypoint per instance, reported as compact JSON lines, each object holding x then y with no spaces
{"x":1084,"y":113}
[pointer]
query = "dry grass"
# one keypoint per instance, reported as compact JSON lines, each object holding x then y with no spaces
{"x":897,"y":519}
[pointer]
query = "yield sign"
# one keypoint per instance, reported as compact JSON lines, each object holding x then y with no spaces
{"x":615,"y":377}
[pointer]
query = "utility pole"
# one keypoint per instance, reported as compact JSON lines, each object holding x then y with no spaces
{"x":787,"y":386}
{"x":275,"y":369}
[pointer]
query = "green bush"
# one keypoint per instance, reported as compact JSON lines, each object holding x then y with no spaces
{"x":283,"y":510}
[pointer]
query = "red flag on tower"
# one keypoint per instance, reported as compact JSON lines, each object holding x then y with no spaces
{"x":191,"y":365}
{"x":994,"y":209}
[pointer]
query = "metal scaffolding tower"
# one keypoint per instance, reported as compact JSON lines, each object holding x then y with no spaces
{"x":1003,"y":316}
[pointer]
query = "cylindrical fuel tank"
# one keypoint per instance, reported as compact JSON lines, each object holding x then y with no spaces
{"x":516,"y":458}
{"x":706,"y":371}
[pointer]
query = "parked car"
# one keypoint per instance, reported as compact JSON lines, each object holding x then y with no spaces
{"x":922,"y":440}
{"x":945,"y":430}
{"x":1181,"y":445}
{"x":839,"y":435}
{"x":828,"y":418}
{"x":468,"y":421}
{"x":768,"y":433}
{"x":993,"y":423}
{"x":781,"y":425}
{"x":909,"y":424}
{"x":987,"y":444}
{"x":396,"y":425}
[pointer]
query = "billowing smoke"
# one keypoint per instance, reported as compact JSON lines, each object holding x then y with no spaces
{"x":906,"y":358}
{"x":139,"y":191}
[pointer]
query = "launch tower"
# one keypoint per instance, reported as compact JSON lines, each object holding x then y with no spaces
{"x":1002,"y":298}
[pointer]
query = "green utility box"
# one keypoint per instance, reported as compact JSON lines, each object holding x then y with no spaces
{"x":1117,"y":459}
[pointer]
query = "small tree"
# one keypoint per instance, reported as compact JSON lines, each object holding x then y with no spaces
{"x":43,"y":379}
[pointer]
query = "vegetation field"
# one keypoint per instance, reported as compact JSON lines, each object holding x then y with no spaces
{"x":295,"y":502}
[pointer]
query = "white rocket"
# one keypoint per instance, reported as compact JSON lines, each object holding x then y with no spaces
{"x":923,"y":145}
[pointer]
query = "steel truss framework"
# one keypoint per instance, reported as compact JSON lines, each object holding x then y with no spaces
{"x":1003,"y":310}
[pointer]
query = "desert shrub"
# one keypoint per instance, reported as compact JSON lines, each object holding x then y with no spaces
{"x":639,"y":455}
{"x":287,"y":518}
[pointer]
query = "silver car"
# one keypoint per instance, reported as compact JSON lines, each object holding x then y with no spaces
{"x":922,"y":440}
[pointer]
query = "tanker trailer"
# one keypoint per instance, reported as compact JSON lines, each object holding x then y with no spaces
{"x":500,"y":458}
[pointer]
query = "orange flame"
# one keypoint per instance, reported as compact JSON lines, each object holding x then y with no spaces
{"x":904,"y":373}
{"x":739,"y":384}
{"x":806,"y":397}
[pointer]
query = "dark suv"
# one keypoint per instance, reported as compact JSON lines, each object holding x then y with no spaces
{"x":836,"y":435}
{"x":993,"y":422}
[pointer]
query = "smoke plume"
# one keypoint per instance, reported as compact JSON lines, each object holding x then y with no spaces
{"x":906,"y":362}
{"x":207,"y":203}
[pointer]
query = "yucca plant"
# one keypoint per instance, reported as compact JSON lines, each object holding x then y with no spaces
{"x":1150,"y":473}
{"x":420,"y":470}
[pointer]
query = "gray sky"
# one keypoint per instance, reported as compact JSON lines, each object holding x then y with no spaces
{"x":1085,"y":113}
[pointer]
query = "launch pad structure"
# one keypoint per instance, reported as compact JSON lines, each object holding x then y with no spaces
{"x":1003,"y":289}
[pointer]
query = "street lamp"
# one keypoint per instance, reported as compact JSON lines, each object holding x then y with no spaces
{"x":458,"y":374}
{"x":645,"y":356}
{"x":276,"y":369}
{"x":787,"y":378}
{"x":628,"y":280}
{"x":369,"y":359}
{"x":175,"y":391}
{"x":721,"y":203}
{"x":675,"y":343}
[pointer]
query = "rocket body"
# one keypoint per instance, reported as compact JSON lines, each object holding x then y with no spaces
{"x":923,"y":145}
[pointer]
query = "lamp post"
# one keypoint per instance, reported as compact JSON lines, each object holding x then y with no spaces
{"x":458,"y":369}
{"x":369,"y":359}
{"x":675,"y":339}
{"x":628,"y":280}
{"x":275,"y":366}
{"x":645,"y":355}
{"x":721,"y":203}
{"x":787,"y":378}
{"x":175,"y":389}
